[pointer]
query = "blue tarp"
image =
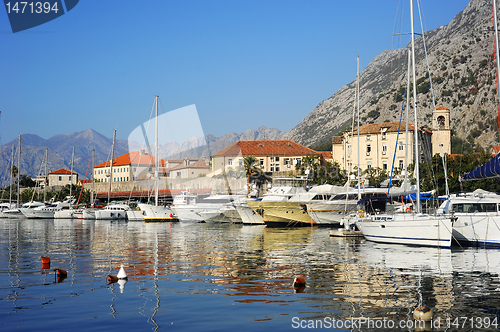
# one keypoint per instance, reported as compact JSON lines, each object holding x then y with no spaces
{"x":423,"y":196}
{"x":489,"y":170}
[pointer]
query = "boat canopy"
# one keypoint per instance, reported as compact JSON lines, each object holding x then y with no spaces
{"x":489,"y":170}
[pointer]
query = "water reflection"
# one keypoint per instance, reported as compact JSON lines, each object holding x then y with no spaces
{"x":174,"y":269}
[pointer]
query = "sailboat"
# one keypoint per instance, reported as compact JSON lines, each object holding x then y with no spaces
{"x":111,"y":211}
{"x":156,"y":212}
{"x":409,"y":228}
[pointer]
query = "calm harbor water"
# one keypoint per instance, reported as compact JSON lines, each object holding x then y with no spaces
{"x":221,"y":277}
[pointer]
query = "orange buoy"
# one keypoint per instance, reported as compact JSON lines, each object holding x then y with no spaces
{"x":45,"y":260}
{"x":299,"y":282}
{"x":112,"y":279}
{"x":408,"y":209}
{"x":171,"y":215}
{"x":61,"y":272}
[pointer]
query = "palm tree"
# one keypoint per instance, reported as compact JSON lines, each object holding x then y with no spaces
{"x":250,"y":168}
{"x":249,"y":164}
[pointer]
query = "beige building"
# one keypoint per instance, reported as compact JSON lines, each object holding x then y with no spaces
{"x":62,"y":177}
{"x":380,"y":143}
{"x":190,"y":168}
{"x":272,"y":155}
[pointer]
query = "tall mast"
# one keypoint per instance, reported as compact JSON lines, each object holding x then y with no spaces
{"x":45,"y":177}
{"x":18,"y":170}
{"x":71,"y":174}
{"x":417,"y":160}
{"x":156,"y":152}
{"x":357,"y":107}
{"x":92,"y":189}
{"x":11,"y":167}
{"x":111,"y":165}
{"x":495,"y":32}
{"x":407,"y":120}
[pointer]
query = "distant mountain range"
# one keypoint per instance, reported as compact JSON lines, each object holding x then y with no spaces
{"x":462,"y":67}
{"x":60,"y":149}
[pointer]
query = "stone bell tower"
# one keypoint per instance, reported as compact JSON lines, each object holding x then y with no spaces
{"x":444,"y":134}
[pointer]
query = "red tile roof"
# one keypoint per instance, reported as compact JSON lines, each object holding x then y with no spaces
{"x":326,"y":154}
{"x":62,"y":171}
{"x":266,"y":148}
{"x":132,"y":158}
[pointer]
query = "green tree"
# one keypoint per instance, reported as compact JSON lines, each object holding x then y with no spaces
{"x":322,"y":172}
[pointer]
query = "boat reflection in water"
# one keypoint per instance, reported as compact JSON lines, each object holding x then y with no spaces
{"x":243,"y":273}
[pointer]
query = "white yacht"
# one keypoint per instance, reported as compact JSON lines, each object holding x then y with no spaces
{"x":188,"y":207}
{"x":6,"y":207}
{"x":112,"y":212}
{"x":47,"y":211}
{"x":157,"y":212}
{"x":477,"y":217}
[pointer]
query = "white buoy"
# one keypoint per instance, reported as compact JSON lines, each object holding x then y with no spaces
{"x":122,"y":283}
{"x":122,"y":274}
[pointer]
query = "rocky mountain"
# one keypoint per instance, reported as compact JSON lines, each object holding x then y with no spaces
{"x":60,"y":150}
{"x":214,"y":144}
{"x":462,"y":71}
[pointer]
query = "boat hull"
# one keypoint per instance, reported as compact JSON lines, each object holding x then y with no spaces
{"x":330,"y":214}
{"x":248,"y":215}
{"x":152,"y":213}
{"x":479,"y":229}
{"x":282,"y":214}
{"x":409,"y":229}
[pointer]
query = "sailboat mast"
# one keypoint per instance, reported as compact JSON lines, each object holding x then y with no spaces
{"x":71,"y":174}
{"x":417,"y":160}
{"x":407,"y":119}
{"x":19,"y":170}
{"x":357,"y":107}
{"x":45,"y":177}
{"x":11,"y":167}
{"x":495,"y":32}
{"x":156,"y":152}
{"x":111,"y":165}
{"x":92,"y":189}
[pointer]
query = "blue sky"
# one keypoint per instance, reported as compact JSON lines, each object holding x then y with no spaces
{"x":242,"y":63}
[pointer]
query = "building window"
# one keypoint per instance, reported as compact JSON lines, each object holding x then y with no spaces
{"x":277,"y":168}
{"x":298,"y":161}
{"x":401,"y":146}
{"x":272,"y":159}
{"x":384,"y":165}
{"x":230,"y":162}
{"x":262,"y":163}
{"x":369,"y":165}
{"x":272,"y":167}
{"x":60,"y":178}
{"x":69,"y":178}
{"x":401,"y":164}
{"x":277,"y":158}
{"x":368,"y":149}
{"x":384,"y":148}
{"x":287,"y":161}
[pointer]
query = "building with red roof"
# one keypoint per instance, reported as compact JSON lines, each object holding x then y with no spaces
{"x":62,"y":177}
{"x":380,"y":143}
{"x":272,"y":155}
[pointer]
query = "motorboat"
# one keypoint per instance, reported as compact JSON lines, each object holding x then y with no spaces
{"x":477,"y":217}
{"x":112,"y":212}
{"x":47,"y":211}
